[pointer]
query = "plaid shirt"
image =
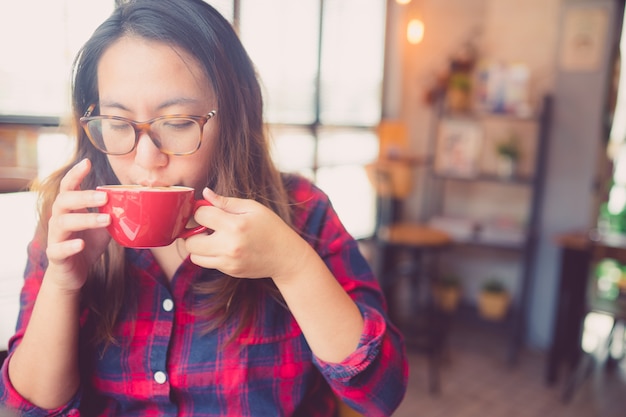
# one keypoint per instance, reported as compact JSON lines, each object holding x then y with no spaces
{"x":169,"y":367}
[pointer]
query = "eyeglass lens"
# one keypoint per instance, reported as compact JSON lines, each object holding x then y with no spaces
{"x":171,"y":135}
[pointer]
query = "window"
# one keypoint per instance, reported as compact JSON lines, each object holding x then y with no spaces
{"x":321,"y":65}
{"x":39,"y":41}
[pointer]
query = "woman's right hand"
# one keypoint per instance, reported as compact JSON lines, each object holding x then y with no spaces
{"x":76,"y":236}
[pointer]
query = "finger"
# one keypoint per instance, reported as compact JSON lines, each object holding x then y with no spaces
{"x":75,"y":222}
{"x":203,"y":252}
{"x":78,"y":200}
{"x":75,"y":176}
{"x":198,"y":245}
{"x":211,"y":196}
{"x":214,"y":262}
{"x":228,"y":204}
{"x":226,"y":213}
{"x":62,"y":226}
{"x":234,"y":269}
{"x":209,"y":262}
{"x":60,"y":251}
{"x":207,"y":252}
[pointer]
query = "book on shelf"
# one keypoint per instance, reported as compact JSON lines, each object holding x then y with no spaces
{"x":501,"y":231}
{"x":460,"y":229}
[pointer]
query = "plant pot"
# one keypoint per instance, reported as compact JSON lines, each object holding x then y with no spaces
{"x":493,"y":306}
{"x":506,"y":167}
{"x":447,"y":297}
{"x":458,"y":100}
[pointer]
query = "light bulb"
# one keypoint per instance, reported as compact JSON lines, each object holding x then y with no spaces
{"x":415,"y":31}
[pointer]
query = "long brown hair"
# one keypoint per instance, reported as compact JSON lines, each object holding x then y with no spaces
{"x":240,"y":165}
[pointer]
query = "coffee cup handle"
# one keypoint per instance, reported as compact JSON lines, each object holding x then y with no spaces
{"x":188,"y":232}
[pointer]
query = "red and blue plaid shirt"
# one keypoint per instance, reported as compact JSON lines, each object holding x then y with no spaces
{"x":170,"y":367}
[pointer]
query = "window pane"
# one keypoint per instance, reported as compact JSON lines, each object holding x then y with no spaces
{"x":35,"y":69}
{"x":293,"y":149}
{"x":352,"y":62}
{"x":342,"y":155}
{"x":281,"y":37}
{"x":352,"y":197}
{"x":346,"y":146}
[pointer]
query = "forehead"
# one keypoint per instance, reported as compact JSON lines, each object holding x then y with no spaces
{"x":134,"y":66}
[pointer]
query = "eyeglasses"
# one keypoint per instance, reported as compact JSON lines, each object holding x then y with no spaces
{"x":178,"y":134}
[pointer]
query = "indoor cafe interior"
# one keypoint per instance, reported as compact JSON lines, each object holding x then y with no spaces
{"x":476,"y":149}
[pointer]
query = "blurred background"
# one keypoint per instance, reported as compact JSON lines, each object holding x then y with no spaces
{"x":499,"y":123}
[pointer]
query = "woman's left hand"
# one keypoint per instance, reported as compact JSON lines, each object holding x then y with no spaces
{"x":249,"y":239}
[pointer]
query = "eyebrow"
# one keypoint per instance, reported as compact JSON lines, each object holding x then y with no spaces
{"x":164,"y":105}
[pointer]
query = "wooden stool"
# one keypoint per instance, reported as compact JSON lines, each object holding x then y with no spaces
{"x":427,"y":330}
{"x":427,"y":326}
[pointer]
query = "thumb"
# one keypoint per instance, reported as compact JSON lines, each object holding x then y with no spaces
{"x":228,"y":204}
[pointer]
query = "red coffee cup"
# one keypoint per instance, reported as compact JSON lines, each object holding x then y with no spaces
{"x":147,"y":217}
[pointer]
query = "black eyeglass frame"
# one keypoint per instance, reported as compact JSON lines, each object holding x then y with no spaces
{"x":145,"y":127}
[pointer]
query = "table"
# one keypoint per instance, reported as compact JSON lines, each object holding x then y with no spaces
{"x":579,"y":250}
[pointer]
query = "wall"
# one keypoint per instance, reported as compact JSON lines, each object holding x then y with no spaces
{"x":527,"y":31}
{"x":575,"y":146}
{"x":500,"y":29}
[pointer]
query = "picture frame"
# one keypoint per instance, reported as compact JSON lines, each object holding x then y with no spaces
{"x":458,"y":148}
{"x":584,"y":39}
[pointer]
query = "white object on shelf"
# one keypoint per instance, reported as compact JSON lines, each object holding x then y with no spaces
{"x":502,"y":231}
{"x":460,"y":229}
{"x":504,"y":236}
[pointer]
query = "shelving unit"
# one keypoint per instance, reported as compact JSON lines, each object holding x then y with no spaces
{"x":486,"y":211}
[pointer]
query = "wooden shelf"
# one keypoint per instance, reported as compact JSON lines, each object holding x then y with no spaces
{"x":481,"y":132}
{"x":477,"y":243}
{"x":515,"y":180}
{"x":13,"y":179}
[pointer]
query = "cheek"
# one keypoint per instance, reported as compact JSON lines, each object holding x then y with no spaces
{"x":196,"y":169}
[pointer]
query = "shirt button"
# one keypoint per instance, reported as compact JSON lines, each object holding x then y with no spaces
{"x":168,"y":304}
{"x":160,"y":377}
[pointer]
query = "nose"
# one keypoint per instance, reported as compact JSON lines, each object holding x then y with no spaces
{"x":147,"y":154}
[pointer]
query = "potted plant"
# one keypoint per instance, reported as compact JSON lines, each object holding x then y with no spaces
{"x":493,"y":300}
{"x":458,"y":94}
{"x":509,"y":153}
{"x":447,"y":293}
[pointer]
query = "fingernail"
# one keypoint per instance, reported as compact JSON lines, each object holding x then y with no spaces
{"x":99,"y":197}
{"x":103,"y":218}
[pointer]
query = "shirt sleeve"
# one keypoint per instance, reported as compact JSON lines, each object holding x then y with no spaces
{"x":9,"y":397}
{"x":373,"y":379}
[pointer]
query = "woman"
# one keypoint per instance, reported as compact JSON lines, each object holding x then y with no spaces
{"x":274,"y":313}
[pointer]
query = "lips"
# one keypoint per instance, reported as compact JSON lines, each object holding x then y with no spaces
{"x":153,"y":184}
